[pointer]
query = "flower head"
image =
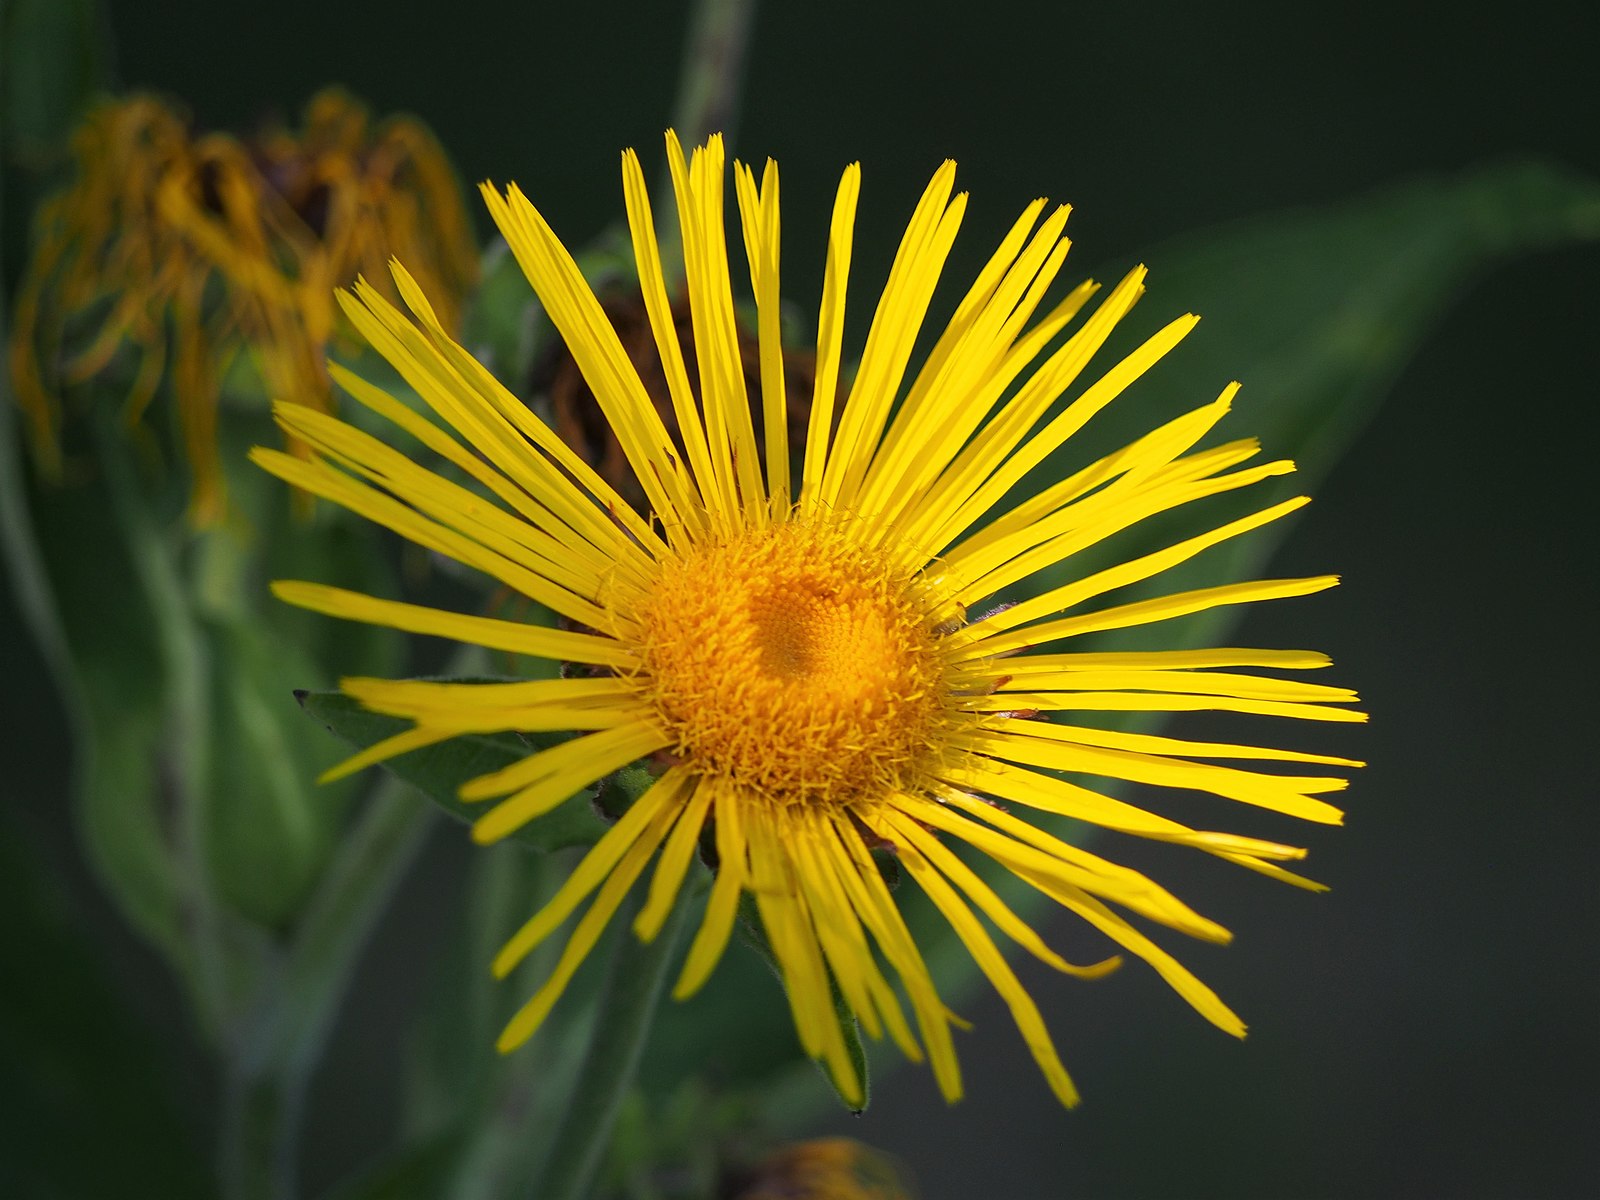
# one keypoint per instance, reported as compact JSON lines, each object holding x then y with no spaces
{"x":192,"y":249}
{"x":798,"y":648}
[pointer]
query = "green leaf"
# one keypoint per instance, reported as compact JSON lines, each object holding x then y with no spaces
{"x":419,"y":1168}
{"x":439,"y":771}
{"x":114,"y":678}
{"x":1315,"y":312}
{"x":271,"y":827}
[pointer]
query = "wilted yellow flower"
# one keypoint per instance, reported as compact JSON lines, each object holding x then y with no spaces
{"x":823,"y":1169}
{"x":192,"y":249}
{"x":799,"y":653}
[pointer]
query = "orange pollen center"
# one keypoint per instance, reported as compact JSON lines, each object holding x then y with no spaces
{"x":795,"y":661}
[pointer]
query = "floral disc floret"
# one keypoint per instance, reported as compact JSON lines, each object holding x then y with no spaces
{"x":796,"y":661}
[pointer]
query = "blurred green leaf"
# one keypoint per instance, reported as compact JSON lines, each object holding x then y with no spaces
{"x":439,"y":771}
{"x":420,"y":1168}
{"x":450,"y":1051}
{"x":271,"y":826}
{"x":115,"y":686}
{"x":1315,"y":312}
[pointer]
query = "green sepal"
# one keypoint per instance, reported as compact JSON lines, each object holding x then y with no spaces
{"x":439,"y":771}
{"x":754,"y":934}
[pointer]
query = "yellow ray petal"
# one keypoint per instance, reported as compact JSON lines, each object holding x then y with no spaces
{"x":990,"y":961}
{"x":788,"y":922}
{"x":901,"y":309}
{"x":320,"y":479}
{"x":1062,"y":598}
{"x":419,"y":697}
{"x":1144,"y":612}
{"x":543,"y":780}
{"x":389,"y":747}
{"x":491,"y":633}
{"x":972,"y":364}
{"x":1287,"y":794}
{"x":1204,"y":1001}
{"x":652,"y":284}
{"x":522,"y":493}
{"x":527,"y":1020}
{"x":1140,"y":660}
{"x":493,"y":421}
{"x":1157,"y":447}
{"x":644,"y":824}
{"x":1155,"y":702}
{"x":870,"y":897}
{"x":673,"y":865}
{"x":1194,"y":683}
{"x":964,"y":878}
{"x":723,"y":906}
{"x":758,"y":212}
{"x":830,"y":338}
{"x":605,"y":365}
{"x":562,"y":561}
{"x":831,"y":899}
{"x":1146,"y":743}
{"x":1023,"y":848}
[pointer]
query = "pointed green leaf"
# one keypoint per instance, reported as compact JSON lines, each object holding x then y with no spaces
{"x":439,"y":771}
{"x":1314,"y":312}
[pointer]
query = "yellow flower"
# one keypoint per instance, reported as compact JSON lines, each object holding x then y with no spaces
{"x":194,"y":248}
{"x":798,"y":653}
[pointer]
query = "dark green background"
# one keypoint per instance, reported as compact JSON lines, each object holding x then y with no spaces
{"x":1428,"y":1029}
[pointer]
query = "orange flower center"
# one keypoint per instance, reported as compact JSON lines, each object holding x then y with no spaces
{"x":796,"y":661}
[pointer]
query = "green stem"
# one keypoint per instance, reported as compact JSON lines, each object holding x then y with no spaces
{"x":712,"y":73}
{"x":276,"y":1051}
{"x":373,"y":858}
{"x":709,"y":82}
{"x":251,"y":1135}
{"x":187,"y":737}
{"x":626,"y":1010}
{"x":269,"y":1062}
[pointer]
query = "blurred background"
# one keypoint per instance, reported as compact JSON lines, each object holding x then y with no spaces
{"x":1432,"y":1026}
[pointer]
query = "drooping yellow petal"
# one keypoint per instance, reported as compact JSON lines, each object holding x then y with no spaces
{"x":673,"y":866}
{"x":723,"y":906}
{"x":980,"y":893}
{"x":531,"y":1015}
{"x":990,"y":961}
